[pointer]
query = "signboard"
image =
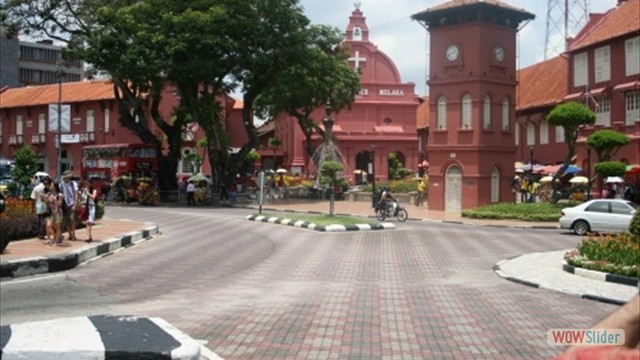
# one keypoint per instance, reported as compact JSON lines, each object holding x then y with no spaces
{"x":65,"y":118}
{"x":69,"y":138}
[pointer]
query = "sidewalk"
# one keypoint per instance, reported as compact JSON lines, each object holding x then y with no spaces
{"x":33,"y":256}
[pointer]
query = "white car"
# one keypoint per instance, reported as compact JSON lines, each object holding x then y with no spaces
{"x":601,"y":216}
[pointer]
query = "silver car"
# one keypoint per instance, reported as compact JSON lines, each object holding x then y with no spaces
{"x":601,"y":216}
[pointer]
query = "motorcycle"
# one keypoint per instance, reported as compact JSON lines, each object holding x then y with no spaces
{"x":383,"y":211}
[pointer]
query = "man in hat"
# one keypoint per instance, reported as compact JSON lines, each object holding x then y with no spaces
{"x":69,"y":190}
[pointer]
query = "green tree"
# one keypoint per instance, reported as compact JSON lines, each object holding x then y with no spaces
{"x":610,"y":168}
{"x":25,"y":166}
{"x":572,"y":117}
{"x":606,"y":143}
{"x":325,"y":77}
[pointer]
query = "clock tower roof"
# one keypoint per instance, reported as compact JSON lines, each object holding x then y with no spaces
{"x":492,"y":11}
{"x":357,"y":29}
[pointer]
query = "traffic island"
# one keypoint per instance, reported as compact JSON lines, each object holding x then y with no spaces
{"x":97,"y":337}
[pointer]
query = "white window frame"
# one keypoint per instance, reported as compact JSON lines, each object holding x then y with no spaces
{"x":603,"y":111}
{"x":531,"y":133}
{"x":19,"y":125}
{"x":632,"y":56}
{"x":107,"y":120}
{"x":559,"y":134}
{"x":42,"y":123}
{"x":466,"y":111}
{"x":544,"y":132}
{"x":91,"y":121}
{"x":442,"y":113}
{"x":580,"y":69}
{"x":602,"y":64}
{"x":486,"y":114}
{"x":632,"y":106}
{"x":505,"y":114}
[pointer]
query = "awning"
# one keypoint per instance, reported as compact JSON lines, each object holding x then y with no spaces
{"x":574,"y":96}
{"x":632,"y":85}
{"x":597,"y":92}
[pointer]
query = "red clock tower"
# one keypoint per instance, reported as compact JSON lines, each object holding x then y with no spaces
{"x":472,"y":95}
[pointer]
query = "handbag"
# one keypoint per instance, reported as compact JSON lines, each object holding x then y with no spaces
{"x":41,"y":207}
{"x":83,"y":213}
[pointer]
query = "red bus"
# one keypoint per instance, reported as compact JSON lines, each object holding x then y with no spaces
{"x":103,"y":163}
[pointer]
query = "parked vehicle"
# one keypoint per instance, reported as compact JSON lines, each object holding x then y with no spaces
{"x":600,"y":215}
{"x":383,"y":211}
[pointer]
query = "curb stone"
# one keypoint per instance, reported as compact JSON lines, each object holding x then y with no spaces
{"x":67,"y":261}
{"x":599,"y":275}
{"x":312,"y":226}
{"x":97,"y":337}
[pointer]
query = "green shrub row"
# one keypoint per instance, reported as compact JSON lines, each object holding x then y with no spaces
{"x":519,"y":211}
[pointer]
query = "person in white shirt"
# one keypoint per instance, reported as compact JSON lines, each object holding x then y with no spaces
{"x":37,"y":195}
{"x":191,"y":190}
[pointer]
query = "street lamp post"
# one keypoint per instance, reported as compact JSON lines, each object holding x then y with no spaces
{"x":373,"y":174}
{"x":59,"y":130}
{"x":328,"y":133}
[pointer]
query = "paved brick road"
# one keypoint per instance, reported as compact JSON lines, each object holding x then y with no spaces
{"x":264,"y":291}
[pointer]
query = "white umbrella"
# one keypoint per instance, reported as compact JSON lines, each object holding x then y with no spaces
{"x":200,"y":177}
{"x":614,"y":179}
{"x":579,"y":180}
{"x":546,"y":179}
{"x":281,"y":171}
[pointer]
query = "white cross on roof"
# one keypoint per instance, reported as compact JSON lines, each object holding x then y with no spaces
{"x":357,"y":59}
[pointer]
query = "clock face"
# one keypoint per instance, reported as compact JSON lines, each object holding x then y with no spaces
{"x":498,"y":52}
{"x":453,"y":52}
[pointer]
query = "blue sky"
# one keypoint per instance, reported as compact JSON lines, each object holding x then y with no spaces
{"x":405,"y":41}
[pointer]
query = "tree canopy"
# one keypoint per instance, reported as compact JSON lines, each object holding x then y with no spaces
{"x":202,"y":49}
{"x":606,"y":143}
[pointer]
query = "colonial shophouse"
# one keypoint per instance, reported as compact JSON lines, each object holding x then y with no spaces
{"x":600,"y":68}
{"x":28,"y":115}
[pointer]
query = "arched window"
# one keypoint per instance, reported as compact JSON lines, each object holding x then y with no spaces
{"x":466,"y":111}
{"x":505,"y":114}
{"x":442,"y":113}
{"x":486,"y":113}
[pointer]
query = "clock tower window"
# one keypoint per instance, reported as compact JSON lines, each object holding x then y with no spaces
{"x":505,"y":114}
{"x":442,"y":113}
{"x":466,"y":111}
{"x":487,"y":112}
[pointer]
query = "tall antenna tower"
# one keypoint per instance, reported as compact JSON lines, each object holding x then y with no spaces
{"x":564,"y":19}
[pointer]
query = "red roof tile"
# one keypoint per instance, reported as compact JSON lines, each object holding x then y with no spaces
{"x":48,"y":94}
{"x":422,"y":114}
{"x":621,"y":20}
{"x":543,"y":84}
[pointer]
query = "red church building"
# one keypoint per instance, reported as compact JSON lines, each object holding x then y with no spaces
{"x":382,"y":119}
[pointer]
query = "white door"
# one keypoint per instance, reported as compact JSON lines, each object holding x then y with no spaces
{"x":495,"y":185}
{"x":453,"y":189}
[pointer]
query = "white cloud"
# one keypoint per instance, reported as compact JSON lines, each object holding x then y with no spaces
{"x":404,"y":40}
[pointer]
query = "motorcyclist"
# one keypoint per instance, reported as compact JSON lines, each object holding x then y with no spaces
{"x":387,"y":200}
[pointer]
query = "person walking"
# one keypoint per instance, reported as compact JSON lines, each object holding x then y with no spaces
{"x":191,"y":191}
{"x":88,"y":198}
{"x":69,"y":190}
{"x":38,"y":196}
{"x":422,"y":189}
{"x":54,"y":218}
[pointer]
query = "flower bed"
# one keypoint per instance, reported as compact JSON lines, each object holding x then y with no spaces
{"x":616,"y":254}
{"x":520,"y":211}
